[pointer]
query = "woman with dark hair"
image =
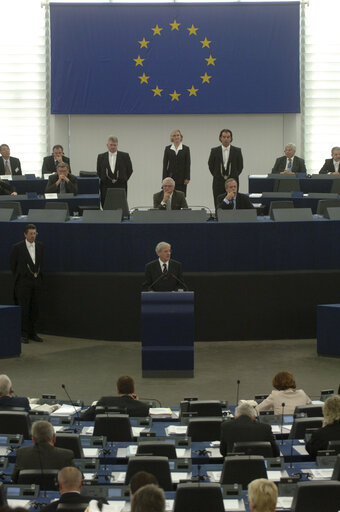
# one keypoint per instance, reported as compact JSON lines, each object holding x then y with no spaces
{"x":330,"y":430}
{"x":284,"y":392}
{"x":176,"y":162}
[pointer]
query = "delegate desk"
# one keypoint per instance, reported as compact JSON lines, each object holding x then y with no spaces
{"x":314,"y":183}
{"x":39,"y":203}
{"x":300,"y":199}
{"x":25,"y":184}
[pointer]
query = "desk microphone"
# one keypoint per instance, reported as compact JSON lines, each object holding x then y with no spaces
{"x":162,"y":276}
{"x":237,"y":391}
{"x":180,"y":282}
{"x":72,"y":403}
{"x":283,"y":408}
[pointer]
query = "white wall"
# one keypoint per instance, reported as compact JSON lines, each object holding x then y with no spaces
{"x":261,"y":137}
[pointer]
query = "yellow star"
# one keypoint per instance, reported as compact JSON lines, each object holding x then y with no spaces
{"x":205,"y":78}
{"x":210,"y":60}
{"x":192,"y":30}
{"x":174,"y":26}
{"x":192,"y":91}
{"x":205,"y":43}
{"x":143,"y":79}
{"x":175,"y":95}
{"x":156,"y":30}
{"x":143,"y":43}
{"x":139,"y":61}
{"x":157,"y":91}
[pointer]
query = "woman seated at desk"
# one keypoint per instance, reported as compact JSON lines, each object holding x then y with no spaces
{"x":330,"y":430}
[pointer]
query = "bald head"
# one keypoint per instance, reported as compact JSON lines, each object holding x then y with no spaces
{"x":69,"y":479}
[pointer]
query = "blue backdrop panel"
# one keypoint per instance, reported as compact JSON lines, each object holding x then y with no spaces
{"x":327,"y":330}
{"x":175,"y":59}
{"x":10,"y":332}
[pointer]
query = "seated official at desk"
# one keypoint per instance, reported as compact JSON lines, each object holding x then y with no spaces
{"x":51,"y":162}
{"x":9,"y":164}
{"x":262,"y":495}
{"x":169,"y":198}
{"x":285,"y":393}
{"x":330,"y":430}
{"x":7,"y":400}
{"x":126,"y":400}
{"x":331,"y":165}
{"x":62,"y":182}
{"x":163,"y":274}
{"x":43,"y":454}
{"x":6,"y":188}
{"x":289,"y":164}
{"x":245,"y":428}
{"x":233,"y":200}
{"x":70,"y":484}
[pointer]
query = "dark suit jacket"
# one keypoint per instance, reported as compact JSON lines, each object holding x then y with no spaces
{"x":133,"y":407}
{"x":245,"y":429}
{"x":49,"y":165}
{"x":70,"y":188}
{"x":234,"y":166}
{"x":177,"y":166}
{"x":20,"y":258}
{"x":242,"y":202}
{"x":70,"y":498}
{"x":320,"y":438}
{"x":14,"y":401}
{"x":6,"y":187}
{"x":122,"y":171}
{"x":280,"y":165}
{"x":168,"y":283}
{"x":178,"y":200}
{"x":328,"y":166}
{"x":15,"y":166}
{"x":44,"y":455}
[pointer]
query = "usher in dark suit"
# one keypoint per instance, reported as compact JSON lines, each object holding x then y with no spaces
{"x":121,"y":172}
{"x":6,"y":187}
{"x":133,"y":407}
{"x":242,"y":202}
{"x":245,"y":429}
{"x":177,"y":166}
{"x":328,"y":166}
{"x":70,"y":188}
{"x":43,"y":455}
{"x":7,"y":402}
{"x":70,"y":498}
{"x":220,"y":174}
{"x":50,"y":166}
{"x":319,"y":439}
{"x":166,"y":282}
{"x":26,"y":286}
{"x":14,"y":164}
{"x":178,"y":200}
{"x":280,"y":165}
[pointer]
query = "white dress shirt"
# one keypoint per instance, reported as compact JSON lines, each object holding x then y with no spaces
{"x":31,"y":249}
{"x":112,"y":160}
{"x":173,"y":147}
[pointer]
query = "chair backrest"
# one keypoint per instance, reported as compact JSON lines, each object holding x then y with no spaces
{"x":242,"y":469}
{"x":12,"y":204}
{"x":335,"y":189}
{"x":198,"y":497}
{"x":157,"y":466}
{"x":316,"y":496}
{"x":158,"y":448}
{"x":205,"y":407}
{"x":15,"y":422}
{"x":323,"y":204}
{"x":72,"y":507}
{"x":287,"y":185}
{"x":115,"y":199}
{"x":100,"y":409}
{"x":46,"y":479}
{"x":57,"y":205}
{"x":263,"y":448}
{"x":116,"y":427}
{"x":3,"y":499}
{"x":336,"y":470}
{"x":279,"y":204}
{"x":70,"y":442}
{"x":301,"y":424}
{"x":311,"y":410}
{"x":204,"y":429}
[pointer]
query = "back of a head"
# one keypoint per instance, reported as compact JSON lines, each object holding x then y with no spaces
{"x":69,"y":479}
{"x":125,"y":385}
{"x":262,"y":495}
{"x":140,"y":479}
{"x":42,"y":431}
{"x":5,"y":385}
{"x":284,"y":380}
{"x":245,"y":409}
{"x":149,"y":498}
{"x":331,"y":409}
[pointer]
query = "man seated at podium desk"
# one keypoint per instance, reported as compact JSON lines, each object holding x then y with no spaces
{"x":163,"y":274}
{"x":62,"y":182}
{"x":289,"y":163}
{"x":331,"y":165}
{"x":6,"y":188}
{"x":233,"y":200}
{"x":169,"y":198}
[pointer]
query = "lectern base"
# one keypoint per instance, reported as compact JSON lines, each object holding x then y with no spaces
{"x":182,"y":374}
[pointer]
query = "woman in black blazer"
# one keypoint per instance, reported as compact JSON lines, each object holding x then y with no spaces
{"x":176,"y":161}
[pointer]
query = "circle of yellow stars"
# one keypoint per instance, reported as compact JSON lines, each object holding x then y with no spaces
{"x":157,"y":91}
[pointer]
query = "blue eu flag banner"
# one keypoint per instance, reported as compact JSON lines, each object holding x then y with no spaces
{"x":175,"y":58}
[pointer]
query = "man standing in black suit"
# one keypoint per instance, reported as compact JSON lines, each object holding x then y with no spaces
{"x":289,"y":164}
{"x":163,"y":274}
{"x":26,"y":261}
{"x":232,"y":199}
{"x":62,"y":182}
{"x":169,"y":198}
{"x":9,"y":164}
{"x":331,"y":165}
{"x":7,"y":400}
{"x":70,"y":484}
{"x":114,"y":168}
{"x":50,"y":162}
{"x":225,"y":162}
{"x":245,"y":428}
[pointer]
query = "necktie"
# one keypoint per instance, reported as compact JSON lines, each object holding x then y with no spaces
{"x":289,"y":164}
{"x":168,"y":204}
{"x":62,"y":187}
{"x":164,"y":268}
{"x":7,"y":169}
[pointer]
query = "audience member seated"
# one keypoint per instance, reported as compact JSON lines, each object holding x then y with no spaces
{"x":62,"y":182}
{"x":233,"y":200}
{"x":70,"y":484}
{"x":7,"y":400}
{"x":262,"y":495}
{"x":169,"y":198}
{"x":285,"y":392}
{"x":149,"y":498}
{"x":289,"y":164}
{"x":9,"y":164}
{"x":331,"y":165}
{"x":51,"y":162}
{"x":43,"y":454}
{"x":6,"y":188}
{"x":127,"y":401}
{"x":330,"y":430}
{"x":245,"y":428}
